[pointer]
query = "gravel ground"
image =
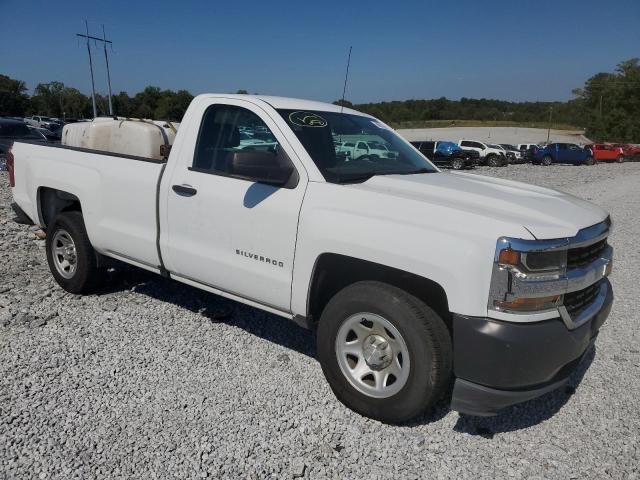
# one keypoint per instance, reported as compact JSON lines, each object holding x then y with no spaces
{"x":142,"y":381}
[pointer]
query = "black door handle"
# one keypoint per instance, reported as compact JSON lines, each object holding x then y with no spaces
{"x":184,"y":190}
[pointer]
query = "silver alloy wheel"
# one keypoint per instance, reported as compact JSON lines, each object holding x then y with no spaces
{"x":372,"y":355}
{"x":63,"y":251}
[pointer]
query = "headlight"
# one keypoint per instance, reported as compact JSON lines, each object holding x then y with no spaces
{"x":523,"y":269}
{"x":547,"y":261}
{"x":530,"y":265}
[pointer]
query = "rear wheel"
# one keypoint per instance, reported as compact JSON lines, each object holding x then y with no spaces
{"x":457,"y":164}
{"x":493,"y":161}
{"x":384,"y":352}
{"x":620,"y":159}
{"x":547,"y":160}
{"x":72,"y":260}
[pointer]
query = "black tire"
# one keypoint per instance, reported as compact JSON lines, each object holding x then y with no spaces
{"x":457,"y":164}
{"x":547,"y":160}
{"x":87,"y":276}
{"x":590,"y":161}
{"x":493,"y":161}
{"x":620,"y":159}
{"x":426,"y":337}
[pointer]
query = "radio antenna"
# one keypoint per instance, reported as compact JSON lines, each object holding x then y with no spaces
{"x":346,"y":77}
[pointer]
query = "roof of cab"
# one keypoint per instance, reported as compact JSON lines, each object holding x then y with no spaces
{"x":287,"y":103}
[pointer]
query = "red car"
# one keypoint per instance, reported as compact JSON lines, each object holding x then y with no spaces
{"x":631,"y":153}
{"x":603,"y":152}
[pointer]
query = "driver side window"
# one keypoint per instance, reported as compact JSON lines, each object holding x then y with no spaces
{"x":227,"y":130}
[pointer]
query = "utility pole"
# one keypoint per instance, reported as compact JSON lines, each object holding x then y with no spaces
{"x":93,"y":86}
{"x":106,"y":60}
{"x":600,"y":106}
{"x":549,"y":130}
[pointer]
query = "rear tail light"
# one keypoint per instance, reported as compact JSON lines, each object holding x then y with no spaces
{"x":10,"y":169}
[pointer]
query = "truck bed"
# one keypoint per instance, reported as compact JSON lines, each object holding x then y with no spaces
{"x":118,"y":192}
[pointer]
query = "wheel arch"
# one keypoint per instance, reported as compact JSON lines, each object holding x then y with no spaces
{"x":52,"y":202}
{"x":332,"y":272}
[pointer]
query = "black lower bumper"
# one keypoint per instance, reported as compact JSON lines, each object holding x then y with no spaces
{"x":498,"y":364}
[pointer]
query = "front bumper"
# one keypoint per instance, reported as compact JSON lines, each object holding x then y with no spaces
{"x":498,"y":364}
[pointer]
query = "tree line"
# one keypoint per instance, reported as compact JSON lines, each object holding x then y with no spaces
{"x":607,"y":106}
{"x":54,"y":99}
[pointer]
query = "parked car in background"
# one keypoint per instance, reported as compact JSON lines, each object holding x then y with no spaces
{"x":525,"y":146}
{"x":509,"y":154}
{"x":48,"y":134}
{"x":40,"y":121}
{"x":630,"y":153}
{"x":447,"y":154}
{"x":494,"y":157}
{"x":526,"y":150}
{"x":514,"y":155}
{"x":562,"y":153}
{"x":12,"y":130}
{"x":357,"y":149}
{"x":603,"y":152}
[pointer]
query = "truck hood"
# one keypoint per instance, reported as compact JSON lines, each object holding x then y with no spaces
{"x":544,"y":212}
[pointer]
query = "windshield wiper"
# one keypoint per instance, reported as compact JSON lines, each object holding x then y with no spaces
{"x":364,"y":177}
{"x":415,"y":172}
{"x":355,"y":178}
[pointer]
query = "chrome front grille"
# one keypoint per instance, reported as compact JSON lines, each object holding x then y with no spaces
{"x":574,"y":302}
{"x":581,"y":256}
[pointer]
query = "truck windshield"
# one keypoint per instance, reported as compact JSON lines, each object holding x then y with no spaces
{"x":353,"y":148}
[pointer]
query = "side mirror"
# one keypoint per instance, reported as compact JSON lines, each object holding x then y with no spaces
{"x":261,"y":166}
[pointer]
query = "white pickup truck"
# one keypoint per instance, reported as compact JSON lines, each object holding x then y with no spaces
{"x":415,"y":279}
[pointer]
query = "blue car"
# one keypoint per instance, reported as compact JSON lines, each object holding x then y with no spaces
{"x":447,"y":154}
{"x":562,"y":153}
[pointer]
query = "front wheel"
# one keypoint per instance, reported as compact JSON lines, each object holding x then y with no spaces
{"x":72,"y":260}
{"x":457,"y":164}
{"x":385,"y":353}
{"x":493,"y":161}
{"x":590,"y":161}
{"x":547,"y":160}
{"x":620,"y":159}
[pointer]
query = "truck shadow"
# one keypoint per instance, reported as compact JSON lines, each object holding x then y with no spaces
{"x":289,"y":335}
{"x":212,"y":307}
{"x":526,"y":414}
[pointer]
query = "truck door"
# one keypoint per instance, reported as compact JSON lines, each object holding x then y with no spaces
{"x":228,"y":231}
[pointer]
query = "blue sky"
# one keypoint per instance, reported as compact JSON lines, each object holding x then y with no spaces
{"x":512,"y":50}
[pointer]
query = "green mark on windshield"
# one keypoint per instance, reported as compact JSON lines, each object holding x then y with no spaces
{"x":307,"y":119}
